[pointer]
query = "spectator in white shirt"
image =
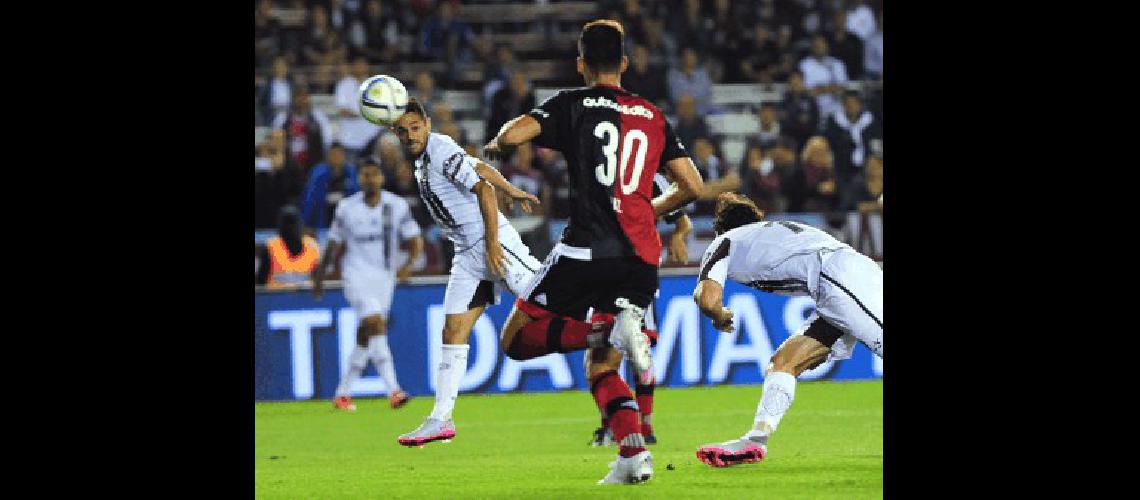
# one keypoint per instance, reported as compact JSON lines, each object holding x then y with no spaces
{"x":355,"y":131}
{"x":338,"y":15}
{"x":278,"y":90}
{"x":691,"y":80}
{"x":873,"y":54}
{"x":860,"y":20}
{"x":824,"y":76}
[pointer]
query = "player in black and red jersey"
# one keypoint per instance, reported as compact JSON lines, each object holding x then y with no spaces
{"x":678,"y":253}
{"x":614,"y":143}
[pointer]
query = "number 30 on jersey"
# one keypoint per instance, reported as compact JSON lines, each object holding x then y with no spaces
{"x":605,"y":172}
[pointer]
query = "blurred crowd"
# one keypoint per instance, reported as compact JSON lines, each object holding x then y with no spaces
{"x":818,"y":147}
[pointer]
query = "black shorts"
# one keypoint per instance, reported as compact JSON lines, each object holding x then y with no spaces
{"x":570,"y":287}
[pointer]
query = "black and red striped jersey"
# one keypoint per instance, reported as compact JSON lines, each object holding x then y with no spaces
{"x":614,"y":143}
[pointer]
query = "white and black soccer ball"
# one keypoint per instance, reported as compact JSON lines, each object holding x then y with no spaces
{"x":383,"y":100}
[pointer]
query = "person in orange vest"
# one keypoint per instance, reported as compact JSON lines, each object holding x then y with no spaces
{"x":292,"y":255}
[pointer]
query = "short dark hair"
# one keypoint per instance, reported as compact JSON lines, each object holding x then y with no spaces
{"x":414,"y":106}
{"x":601,"y":45}
{"x":370,"y":162}
{"x":733,"y":211}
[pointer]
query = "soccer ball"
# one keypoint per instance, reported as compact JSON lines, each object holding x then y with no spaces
{"x":383,"y":100}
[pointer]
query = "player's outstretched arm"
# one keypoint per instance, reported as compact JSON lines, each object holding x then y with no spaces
{"x":489,"y":208}
{"x":417,"y":248}
{"x":687,"y":185}
{"x":678,"y":249}
{"x":708,"y":296}
{"x":521,"y":129}
{"x":318,"y":274}
{"x":492,"y":175}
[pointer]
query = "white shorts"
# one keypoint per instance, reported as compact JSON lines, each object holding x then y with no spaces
{"x":370,"y":297}
{"x":469,"y":271}
{"x":851,"y":299}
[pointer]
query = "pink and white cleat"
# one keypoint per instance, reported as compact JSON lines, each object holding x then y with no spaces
{"x":344,"y":403}
{"x":432,"y":429}
{"x":398,"y":399}
{"x":737,"y":451}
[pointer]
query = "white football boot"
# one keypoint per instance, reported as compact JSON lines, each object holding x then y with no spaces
{"x":632,"y":470}
{"x":432,"y":429}
{"x":628,"y":338}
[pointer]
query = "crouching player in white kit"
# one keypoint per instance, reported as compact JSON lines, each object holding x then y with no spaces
{"x":459,"y":191}
{"x":368,"y":224}
{"x":788,"y":258}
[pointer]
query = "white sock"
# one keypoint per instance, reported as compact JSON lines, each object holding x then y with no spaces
{"x":452,"y":366}
{"x":382,"y":356}
{"x":779,"y":391}
{"x":356,"y":363}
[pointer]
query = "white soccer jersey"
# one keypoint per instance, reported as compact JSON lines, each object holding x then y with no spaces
{"x":774,"y":256}
{"x":372,"y":235}
{"x":446,"y":175}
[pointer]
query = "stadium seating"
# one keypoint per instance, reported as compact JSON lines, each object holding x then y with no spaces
{"x":543,"y":34}
{"x":732,"y":128}
{"x":526,"y":12}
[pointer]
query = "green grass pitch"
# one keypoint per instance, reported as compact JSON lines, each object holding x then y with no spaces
{"x":829,"y":445}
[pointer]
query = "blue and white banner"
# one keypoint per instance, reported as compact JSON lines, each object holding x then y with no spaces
{"x":302,"y":345}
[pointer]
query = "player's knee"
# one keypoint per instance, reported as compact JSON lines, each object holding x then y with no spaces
{"x":362,"y":334}
{"x":515,"y":321}
{"x":507,"y":338}
{"x":799,"y":354}
{"x":597,"y":369}
{"x":781,"y":363}
{"x":376,"y":325}
{"x":454,"y":334}
{"x":372,"y":325}
{"x":601,"y":360}
{"x":809,"y":361}
{"x":787,"y":357}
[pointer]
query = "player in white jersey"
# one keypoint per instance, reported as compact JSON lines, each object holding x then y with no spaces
{"x":370,"y":225}
{"x":795,"y":259}
{"x":459,"y":192}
